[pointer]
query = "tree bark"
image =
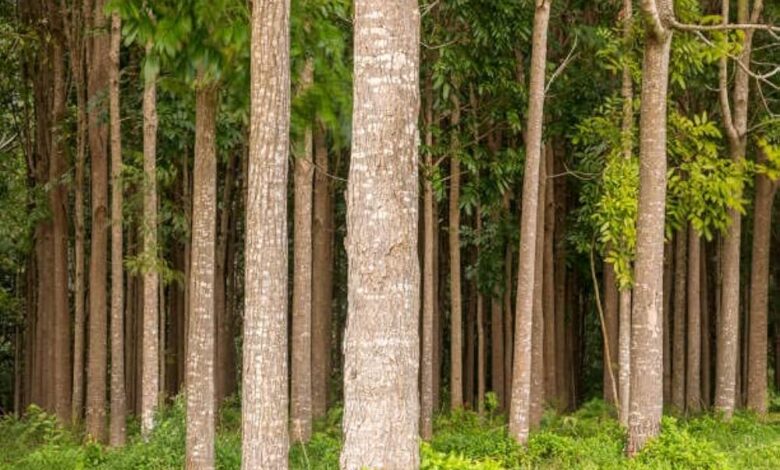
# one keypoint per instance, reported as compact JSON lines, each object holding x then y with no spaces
{"x":679,"y":331}
{"x":381,"y":343}
{"x":667,"y":315}
{"x":519,"y":421}
{"x":456,"y":300}
{"x":322,"y":271}
{"x":481,"y":347}
{"x":265,"y":402}
{"x":759,"y":295}
{"x":706,"y":337}
{"x":497,"y":349}
{"x":200,"y":354}
{"x":548,"y":288}
{"x":647,"y":314}
{"x":693,"y":370}
{"x":427,"y":370}
{"x":736,"y":131}
{"x":97,"y":86}
{"x":300,"y":381}
{"x":537,"y":340}
{"x":611,"y":326}
{"x":118,"y":400}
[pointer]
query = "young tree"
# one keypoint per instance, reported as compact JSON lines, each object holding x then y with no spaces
{"x":693,"y":369}
{"x":117,"y":406}
{"x":150,"y":381}
{"x":647,"y":315}
{"x":97,"y":86}
{"x":381,"y":341}
{"x":456,"y":302}
{"x":427,"y":370}
{"x":264,"y":407}
{"x":301,"y":363}
{"x":519,"y":420}
{"x":679,"y":319}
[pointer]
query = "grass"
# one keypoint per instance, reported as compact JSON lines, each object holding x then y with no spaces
{"x":588,"y":439}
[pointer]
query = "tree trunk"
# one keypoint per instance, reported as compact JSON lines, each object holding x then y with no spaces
{"x":98,"y":72}
{"x":667,"y":315}
{"x":300,"y":382}
{"x":548,"y":289}
{"x":519,"y":421}
{"x":381,"y":344}
{"x":678,"y":337}
{"x":537,"y":340}
{"x":612,"y":326}
{"x":224,"y":369}
{"x":759,"y":295}
{"x":481,"y":348}
{"x":693,"y":370}
{"x":265,"y":400}
{"x":497,"y":349}
{"x":427,"y":370}
{"x":456,"y":301}
{"x":508,"y":323}
{"x":706,"y":338}
{"x":200,"y":353}
{"x":322,"y":271}
{"x":647,"y":315}
{"x":736,"y":131}
{"x":118,"y":400}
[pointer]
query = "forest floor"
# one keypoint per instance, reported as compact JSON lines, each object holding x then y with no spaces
{"x":588,"y":439}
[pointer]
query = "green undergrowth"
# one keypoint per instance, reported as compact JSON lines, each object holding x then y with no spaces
{"x":588,"y":439}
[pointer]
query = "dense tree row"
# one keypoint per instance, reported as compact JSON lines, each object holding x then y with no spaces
{"x":396,"y":208}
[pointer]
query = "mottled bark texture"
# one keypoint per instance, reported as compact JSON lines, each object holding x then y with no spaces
{"x":521,"y":375}
{"x":265,"y":403}
{"x":300,"y":380}
{"x":427,"y":370}
{"x":381,"y":342}
{"x":537,"y":340}
{"x":456,"y":299}
{"x":199,"y":368}
{"x":117,"y":432}
{"x":693,"y":369}
{"x":647,"y":314}
{"x":97,"y":88}
{"x":150,"y":380}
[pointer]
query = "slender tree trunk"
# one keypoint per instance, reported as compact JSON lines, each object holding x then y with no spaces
{"x":98,"y":72}
{"x":537,"y":340}
{"x":706,"y":339}
{"x":481,"y":348}
{"x":519,"y":421}
{"x":300,"y":382}
{"x":322,"y":271}
{"x":265,"y":401}
{"x":381,"y":344}
{"x":456,"y":302}
{"x":200,"y":354}
{"x":470,"y":331}
{"x":736,"y":123}
{"x":667,"y":315}
{"x":679,"y":331}
{"x":611,"y":326}
{"x":497,"y":349}
{"x":508,"y":323}
{"x":118,"y":406}
{"x":693,"y":370}
{"x":225,"y":370}
{"x":759,"y":295}
{"x":58,"y":203}
{"x":427,"y":370}
{"x":647,"y":315}
{"x":548,"y":289}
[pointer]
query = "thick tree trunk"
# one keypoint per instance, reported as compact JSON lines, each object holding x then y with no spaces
{"x":300,"y":380}
{"x":265,"y":401}
{"x":678,"y":336}
{"x":520,"y":406}
{"x":381,"y":344}
{"x":647,"y":314}
{"x":693,"y":370}
{"x":456,"y":300}
{"x":98,"y":140}
{"x":759,"y":295}
{"x":322,"y":271}
{"x":118,"y":400}
{"x":427,"y":370}
{"x":200,"y":354}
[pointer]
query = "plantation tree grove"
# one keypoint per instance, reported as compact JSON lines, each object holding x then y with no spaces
{"x":369,"y":234}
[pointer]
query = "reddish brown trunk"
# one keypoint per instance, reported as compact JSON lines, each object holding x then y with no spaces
{"x":693,"y":370}
{"x":456,"y":302}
